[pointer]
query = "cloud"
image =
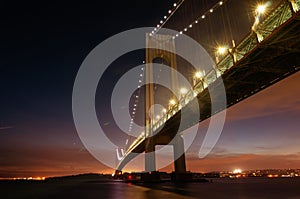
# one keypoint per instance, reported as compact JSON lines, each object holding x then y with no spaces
{"x":264,"y":148}
{"x":5,"y":127}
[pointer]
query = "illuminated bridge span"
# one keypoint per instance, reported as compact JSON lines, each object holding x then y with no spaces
{"x":269,"y":53}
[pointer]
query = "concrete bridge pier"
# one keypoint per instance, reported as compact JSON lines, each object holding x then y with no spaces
{"x":151,"y":174}
{"x":150,"y":161}
{"x":179,"y":156}
{"x":180,"y":174}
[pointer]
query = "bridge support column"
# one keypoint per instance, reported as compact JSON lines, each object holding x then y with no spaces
{"x":180,"y":174}
{"x":179,"y":156}
{"x":150,"y":164}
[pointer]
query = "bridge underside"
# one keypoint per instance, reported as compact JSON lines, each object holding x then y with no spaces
{"x":272,"y":60}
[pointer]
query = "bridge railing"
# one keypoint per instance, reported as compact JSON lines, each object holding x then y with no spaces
{"x":296,"y":7}
{"x":275,"y":19}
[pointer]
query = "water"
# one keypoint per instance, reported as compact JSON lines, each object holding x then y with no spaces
{"x":251,"y":188}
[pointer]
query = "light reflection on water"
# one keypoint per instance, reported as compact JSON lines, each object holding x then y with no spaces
{"x":219,"y":188}
{"x":131,"y":191}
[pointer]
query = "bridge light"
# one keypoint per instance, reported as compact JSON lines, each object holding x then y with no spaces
{"x":183,"y":91}
{"x":261,"y":9}
{"x":221,"y":3}
{"x":190,"y":25}
{"x":172,"y":102}
{"x":199,"y":75}
{"x":157,"y":117}
{"x":170,"y":11}
{"x":175,"y":4}
{"x":164,"y":110}
{"x":211,"y":10}
{"x":165,"y":17}
{"x":161,"y":21}
{"x":221,"y":50}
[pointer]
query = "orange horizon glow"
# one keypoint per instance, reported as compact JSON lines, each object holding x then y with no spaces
{"x":217,"y":164}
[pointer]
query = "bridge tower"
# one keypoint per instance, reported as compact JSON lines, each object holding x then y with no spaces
{"x":160,"y":46}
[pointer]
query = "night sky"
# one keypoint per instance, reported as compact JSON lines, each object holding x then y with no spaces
{"x":42,"y":46}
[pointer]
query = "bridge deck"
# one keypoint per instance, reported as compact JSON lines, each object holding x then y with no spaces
{"x":275,"y":58}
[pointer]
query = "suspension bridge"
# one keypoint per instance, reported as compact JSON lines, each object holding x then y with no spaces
{"x":267,"y":54}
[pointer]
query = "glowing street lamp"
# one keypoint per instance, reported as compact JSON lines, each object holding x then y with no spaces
{"x":172,"y":102}
{"x":221,"y":50}
{"x":183,"y":91}
{"x":199,"y":75}
{"x":261,"y":9}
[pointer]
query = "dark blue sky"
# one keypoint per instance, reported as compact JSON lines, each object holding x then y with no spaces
{"x":42,"y":47}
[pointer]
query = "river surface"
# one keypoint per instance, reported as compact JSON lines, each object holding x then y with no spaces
{"x":254,"y":188}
